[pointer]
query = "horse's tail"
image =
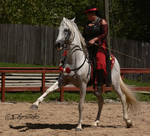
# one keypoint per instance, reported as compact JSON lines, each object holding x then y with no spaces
{"x":130,"y":98}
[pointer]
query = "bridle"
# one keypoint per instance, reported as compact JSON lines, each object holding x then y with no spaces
{"x":68,"y":38}
{"x":65,"y":56}
{"x":67,"y":51}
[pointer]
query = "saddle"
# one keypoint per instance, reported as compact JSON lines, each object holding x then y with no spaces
{"x":93,"y":80}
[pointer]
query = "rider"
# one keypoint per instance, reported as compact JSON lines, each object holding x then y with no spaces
{"x":95,"y":33}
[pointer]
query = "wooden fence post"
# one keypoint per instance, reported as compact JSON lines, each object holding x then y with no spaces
{"x":3,"y":87}
{"x":43,"y":82}
{"x":62,"y":94}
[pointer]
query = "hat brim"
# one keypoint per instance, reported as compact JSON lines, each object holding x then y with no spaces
{"x":91,"y":10}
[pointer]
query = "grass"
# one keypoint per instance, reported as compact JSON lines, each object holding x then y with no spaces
{"x":28,"y":96}
{"x":68,"y":96}
{"x":137,"y":83}
{"x":22,"y":65}
{"x":143,"y":97}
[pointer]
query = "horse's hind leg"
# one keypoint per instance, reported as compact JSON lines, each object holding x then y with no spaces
{"x":100,"y":106}
{"x":124,"y":103}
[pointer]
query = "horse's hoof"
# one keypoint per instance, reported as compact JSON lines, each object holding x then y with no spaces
{"x":95,"y":124}
{"x":78,"y":129}
{"x":34,"y":107}
{"x":129,"y":124}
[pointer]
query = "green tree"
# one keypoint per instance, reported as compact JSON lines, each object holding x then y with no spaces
{"x":42,"y":12}
{"x":130,"y":19}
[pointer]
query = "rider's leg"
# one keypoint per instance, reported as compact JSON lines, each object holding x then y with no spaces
{"x":100,"y":81}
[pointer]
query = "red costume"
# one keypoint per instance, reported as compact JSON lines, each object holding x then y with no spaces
{"x":98,"y":51}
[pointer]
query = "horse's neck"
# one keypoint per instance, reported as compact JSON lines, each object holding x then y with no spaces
{"x":76,"y":53}
{"x":76,"y":40}
{"x":80,"y":39}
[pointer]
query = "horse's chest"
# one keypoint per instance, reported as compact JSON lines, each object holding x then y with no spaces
{"x":71,"y":79}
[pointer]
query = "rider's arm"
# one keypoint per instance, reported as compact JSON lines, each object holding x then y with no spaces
{"x":104,"y":29}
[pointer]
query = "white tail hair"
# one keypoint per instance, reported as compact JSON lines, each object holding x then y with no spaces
{"x":130,"y":98}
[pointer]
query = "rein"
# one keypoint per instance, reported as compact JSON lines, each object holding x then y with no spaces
{"x":124,"y":54}
{"x":68,"y":41}
{"x":64,"y":60}
{"x":76,"y":69}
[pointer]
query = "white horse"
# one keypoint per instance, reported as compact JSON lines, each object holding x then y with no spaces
{"x":76,"y":70}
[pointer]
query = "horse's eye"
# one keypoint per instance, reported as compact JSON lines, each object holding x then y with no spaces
{"x":65,"y":30}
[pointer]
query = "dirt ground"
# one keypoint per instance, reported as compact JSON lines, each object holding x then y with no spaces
{"x":60,"y":119}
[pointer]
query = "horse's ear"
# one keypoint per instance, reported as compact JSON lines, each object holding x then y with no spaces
{"x":73,"y":19}
{"x":64,"y":18}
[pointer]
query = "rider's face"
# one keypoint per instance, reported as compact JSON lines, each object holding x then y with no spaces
{"x":91,"y":16}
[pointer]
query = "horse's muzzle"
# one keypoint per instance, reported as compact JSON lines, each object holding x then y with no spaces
{"x":59,"y":45}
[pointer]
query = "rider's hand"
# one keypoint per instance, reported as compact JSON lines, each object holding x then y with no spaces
{"x":91,"y":42}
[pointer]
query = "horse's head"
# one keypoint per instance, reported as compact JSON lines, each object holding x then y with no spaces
{"x":65,"y":35}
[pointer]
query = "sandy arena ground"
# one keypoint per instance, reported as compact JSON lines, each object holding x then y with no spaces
{"x":59,"y":119}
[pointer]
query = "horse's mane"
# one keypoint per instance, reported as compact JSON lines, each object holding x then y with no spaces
{"x":83,"y":44}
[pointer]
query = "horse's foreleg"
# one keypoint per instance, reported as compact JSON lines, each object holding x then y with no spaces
{"x":80,"y":106}
{"x":41,"y":98}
